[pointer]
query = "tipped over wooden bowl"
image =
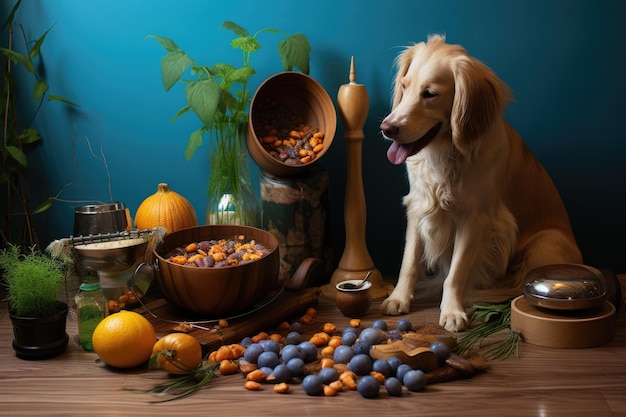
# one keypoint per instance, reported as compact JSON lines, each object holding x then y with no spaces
{"x":217,"y":290}
{"x":282,"y":101}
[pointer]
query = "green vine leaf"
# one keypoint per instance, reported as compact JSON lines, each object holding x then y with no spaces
{"x":44,"y":206}
{"x":18,"y":58}
{"x":294,"y":52}
{"x":246,"y":44}
{"x":239,"y":31}
{"x":167,"y":43}
{"x":195,"y":140}
{"x":17,"y":154}
{"x":53,"y":97}
{"x":37,"y":47}
{"x":203,"y":98}
{"x":29,"y":135}
{"x":172,"y":67}
{"x":40,"y":90}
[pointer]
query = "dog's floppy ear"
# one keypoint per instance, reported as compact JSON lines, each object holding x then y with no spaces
{"x":402,"y":65}
{"x":479,"y":98}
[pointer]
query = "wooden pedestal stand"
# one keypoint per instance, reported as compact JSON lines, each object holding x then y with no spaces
{"x":355,"y":262}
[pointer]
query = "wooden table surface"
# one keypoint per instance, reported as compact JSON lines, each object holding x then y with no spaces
{"x":540,"y":382}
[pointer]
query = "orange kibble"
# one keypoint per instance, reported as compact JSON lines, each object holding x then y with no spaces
{"x":212,"y":356}
{"x":318,"y":148}
{"x":348,"y":378}
{"x":192,"y":247}
{"x":228,"y":367}
{"x":335,"y":341}
{"x":114,"y":306}
{"x":257,"y":376}
{"x":329,"y":391}
{"x":329,"y":328}
{"x":320,"y":339}
{"x":180,"y":259}
{"x":223,"y":323}
{"x":306,"y":319}
{"x":260,"y":336}
{"x":236,"y":350}
{"x":219,"y":256}
{"x":269,"y":139}
{"x":197,"y":257}
{"x":277,"y":143}
{"x":302,"y":152}
{"x":281,"y":388}
{"x":276,"y":337}
{"x":318,"y":135}
{"x":295,"y":134}
{"x":311,"y":312}
{"x":305,"y":160}
{"x":336,"y":385}
{"x":223,"y":353}
{"x":379,"y":377}
{"x":252,"y":386}
{"x":131,"y":297}
{"x":327,"y":362}
{"x":327,"y":351}
{"x":284,"y":325}
{"x":356,"y":323}
{"x":123,"y":299}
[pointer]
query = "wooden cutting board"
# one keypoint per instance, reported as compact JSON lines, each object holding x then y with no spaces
{"x":563,"y":329}
{"x":288,"y":304}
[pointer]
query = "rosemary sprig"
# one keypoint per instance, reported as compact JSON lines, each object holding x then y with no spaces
{"x":494,"y":318}
{"x":184,"y":385}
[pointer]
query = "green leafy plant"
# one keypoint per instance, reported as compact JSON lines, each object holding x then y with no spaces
{"x":18,"y":133}
{"x":33,"y":280}
{"x":219,"y":94}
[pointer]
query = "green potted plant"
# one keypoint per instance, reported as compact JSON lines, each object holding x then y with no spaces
{"x":220,"y":98}
{"x":33,"y":282}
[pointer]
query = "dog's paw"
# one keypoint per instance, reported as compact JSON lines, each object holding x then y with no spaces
{"x":454,"y":321}
{"x":393,"y":306}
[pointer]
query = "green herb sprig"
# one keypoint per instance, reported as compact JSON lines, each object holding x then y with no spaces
{"x":493,"y":318}
{"x":184,"y":385}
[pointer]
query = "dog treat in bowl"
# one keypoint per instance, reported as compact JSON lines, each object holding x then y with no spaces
{"x":211,"y":291}
{"x":218,"y":252}
{"x":286,"y":136}
{"x":291,"y":124}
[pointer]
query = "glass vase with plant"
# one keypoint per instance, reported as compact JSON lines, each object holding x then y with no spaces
{"x":220,"y":98}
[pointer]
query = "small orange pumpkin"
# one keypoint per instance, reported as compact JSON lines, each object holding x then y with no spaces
{"x":177,"y":353}
{"x":166,"y":209}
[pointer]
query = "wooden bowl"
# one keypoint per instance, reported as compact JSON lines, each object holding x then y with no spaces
{"x":301,"y":95}
{"x":217,"y":290}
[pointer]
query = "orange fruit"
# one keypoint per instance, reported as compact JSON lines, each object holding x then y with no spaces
{"x":124,"y":339}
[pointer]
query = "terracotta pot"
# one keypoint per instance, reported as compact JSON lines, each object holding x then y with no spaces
{"x":40,"y":337}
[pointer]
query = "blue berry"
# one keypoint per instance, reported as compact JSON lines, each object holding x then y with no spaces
{"x":312,"y":384}
{"x":393,"y":386}
{"x":368,"y":386}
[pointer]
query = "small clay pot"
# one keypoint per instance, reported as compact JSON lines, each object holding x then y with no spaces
{"x":353,"y":302}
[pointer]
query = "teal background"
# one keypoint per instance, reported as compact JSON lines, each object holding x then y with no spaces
{"x":564,"y":62}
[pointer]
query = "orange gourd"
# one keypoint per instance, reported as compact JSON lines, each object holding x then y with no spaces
{"x":166,"y":209}
{"x":177,"y":353}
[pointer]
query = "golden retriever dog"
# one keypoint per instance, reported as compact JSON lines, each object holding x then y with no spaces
{"x":481,"y":209}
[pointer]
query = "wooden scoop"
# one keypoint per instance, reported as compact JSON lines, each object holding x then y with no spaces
{"x":418,"y":358}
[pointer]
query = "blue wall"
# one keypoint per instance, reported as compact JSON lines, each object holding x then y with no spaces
{"x":564,"y":61}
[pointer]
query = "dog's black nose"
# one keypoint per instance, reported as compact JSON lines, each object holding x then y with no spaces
{"x":388,"y":129}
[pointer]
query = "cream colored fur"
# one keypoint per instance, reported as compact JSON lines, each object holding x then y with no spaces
{"x":481,"y":210}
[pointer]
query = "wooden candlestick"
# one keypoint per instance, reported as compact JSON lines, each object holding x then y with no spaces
{"x":355,"y":262}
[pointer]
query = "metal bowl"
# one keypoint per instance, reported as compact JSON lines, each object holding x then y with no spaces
{"x":565,"y":287}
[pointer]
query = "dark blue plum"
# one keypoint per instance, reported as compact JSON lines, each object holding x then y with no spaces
{"x":291,"y":351}
{"x":394,"y":362}
{"x":328,"y":375}
{"x":380,"y":324}
{"x":414,"y":380}
{"x":252,"y":353}
{"x":404,"y":326}
{"x":296,"y":366}
{"x":312,"y":384}
{"x":270,"y":345}
{"x":349,"y":338}
{"x":368,"y":386}
{"x":268,"y":359}
{"x":382,"y":366}
{"x":281,"y":373}
{"x":343,"y":354}
{"x":309,"y":350}
{"x":441,"y":351}
{"x":293,"y":338}
{"x":362,"y":347}
{"x":402,"y":370}
{"x":360,"y":364}
{"x":393,"y":386}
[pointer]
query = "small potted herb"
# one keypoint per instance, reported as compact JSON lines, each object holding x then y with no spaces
{"x":34,"y":281}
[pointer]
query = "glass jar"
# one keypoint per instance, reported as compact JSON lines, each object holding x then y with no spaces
{"x":91,"y":308}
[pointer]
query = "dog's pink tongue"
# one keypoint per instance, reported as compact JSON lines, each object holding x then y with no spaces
{"x":397,"y":153}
